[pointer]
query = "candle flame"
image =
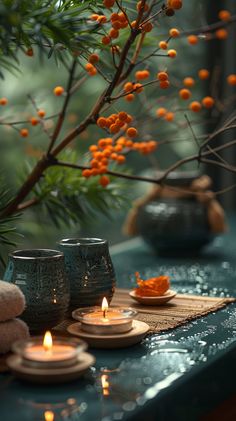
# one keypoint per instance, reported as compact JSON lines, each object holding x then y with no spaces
{"x":47,"y":341}
{"x":49,"y":415}
{"x":105,"y":384}
{"x":104,"y":307}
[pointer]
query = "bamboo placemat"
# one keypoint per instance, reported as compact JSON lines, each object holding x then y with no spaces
{"x":180,"y":310}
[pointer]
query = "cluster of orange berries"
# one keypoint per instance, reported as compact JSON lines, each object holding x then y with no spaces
{"x":163,"y":80}
{"x":89,"y":67}
{"x":163,"y":45}
{"x":108,"y":150}
{"x":118,"y":21}
{"x":115,"y":122}
{"x":113,"y":150}
{"x":165,"y":114}
{"x":172,"y":6}
{"x":130,"y":87}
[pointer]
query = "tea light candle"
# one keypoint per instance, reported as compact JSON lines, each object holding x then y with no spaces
{"x":62,"y":352}
{"x":104,"y":320}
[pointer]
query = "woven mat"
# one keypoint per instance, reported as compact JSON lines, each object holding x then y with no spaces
{"x":180,"y":310}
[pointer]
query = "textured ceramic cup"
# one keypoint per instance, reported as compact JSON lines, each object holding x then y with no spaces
{"x":90,"y":271}
{"x":40,"y":274}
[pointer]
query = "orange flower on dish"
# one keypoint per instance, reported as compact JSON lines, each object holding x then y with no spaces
{"x":152,"y":287}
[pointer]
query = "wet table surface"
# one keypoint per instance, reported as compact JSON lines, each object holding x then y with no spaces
{"x":180,"y":374}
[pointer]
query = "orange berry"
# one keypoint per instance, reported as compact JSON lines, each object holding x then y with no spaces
{"x":101,"y":122}
{"x":102,"y":169}
{"x":34,"y":121}
{"x":129,"y":97}
{"x":104,"y":180}
{"x":86,"y":173}
{"x":93,"y":58}
{"x":163,"y":45}
{"x":147,"y":27}
{"x":221,"y":33}
{"x":169,"y":116}
{"x":131,"y":132}
{"x":128,"y":86}
{"x":41,"y":113}
{"x":208,"y":102}
{"x":113,"y":33}
{"x":139,"y":4}
{"x":116,"y":24}
{"x":92,"y":72}
{"x":24,"y":132}
{"x":29,"y":52}
{"x":175,"y":4}
{"x":118,"y":148}
{"x":101,"y":19}
{"x":192,"y":39}
{"x":58,"y":90}
{"x":114,"y":16}
{"x":195,"y":106}
{"x":89,"y":67}
{"x":122,"y":17}
{"x":114,"y":156}
{"x":174,"y":33}
{"x":231,"y":79}
{"x":142,"y":74}
{"x":129,"y":143}
{"x":122,"y":116}
{"x":138,"y":87}
{"x":129,"y":119}
{"x":224,"y":15}
{"x":120,"y":159}
{"x":203,"y":74}
{"x":94,"y":16}
{"x":114,"y":128}
{"x":3,"y":101}
{"x":94,"y":171}
{"x":108,"y":3}
{"x":94,"y":163}
{"x":172,"y":53}
{"x":189,"y":82}
{"x":160,"y":112}
{"x":184,"y":93}
{"x":162,"y":76}
{"x":106,"y":40}
{"x":93,"y":148}
{"x":164,"y":84}
{"x":133,"y":23}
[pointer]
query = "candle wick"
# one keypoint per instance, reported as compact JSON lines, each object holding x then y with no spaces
{"x":104,"y":313}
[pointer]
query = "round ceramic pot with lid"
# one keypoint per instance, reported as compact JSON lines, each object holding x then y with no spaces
{"x":175,"y":221}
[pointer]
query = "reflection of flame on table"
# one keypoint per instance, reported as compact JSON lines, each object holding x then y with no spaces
{"x":49,"y":415}
{"x":105,"y":385}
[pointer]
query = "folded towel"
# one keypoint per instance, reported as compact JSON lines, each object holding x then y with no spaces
{"x":11,"y":331}
{"x":12,"y":301}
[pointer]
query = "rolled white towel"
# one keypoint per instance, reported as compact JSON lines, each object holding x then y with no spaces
{"x":12,"y":301}
{"x":11,"y":331}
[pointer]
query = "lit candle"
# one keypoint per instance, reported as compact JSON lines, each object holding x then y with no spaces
{"x":46,"y":353}
{"x":105,"y":320}
{"x":105,"y":385}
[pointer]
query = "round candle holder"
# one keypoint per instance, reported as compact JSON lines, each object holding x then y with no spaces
{"x":64,"y":353}
{"x":115,"y":320}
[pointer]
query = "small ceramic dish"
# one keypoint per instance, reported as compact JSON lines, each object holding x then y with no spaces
{"x":154,"y":301}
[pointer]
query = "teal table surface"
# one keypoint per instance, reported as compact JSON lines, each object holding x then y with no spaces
{"x":179,"y":374}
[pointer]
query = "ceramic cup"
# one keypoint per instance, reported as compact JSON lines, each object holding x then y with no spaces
{"x":40,"y":274}
{"x":90,"y":271}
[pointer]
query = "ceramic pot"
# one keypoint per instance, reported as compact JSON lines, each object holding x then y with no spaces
{"x":90,"y":271}
{"x":175,"y":225}
{"x":40,"y":274}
